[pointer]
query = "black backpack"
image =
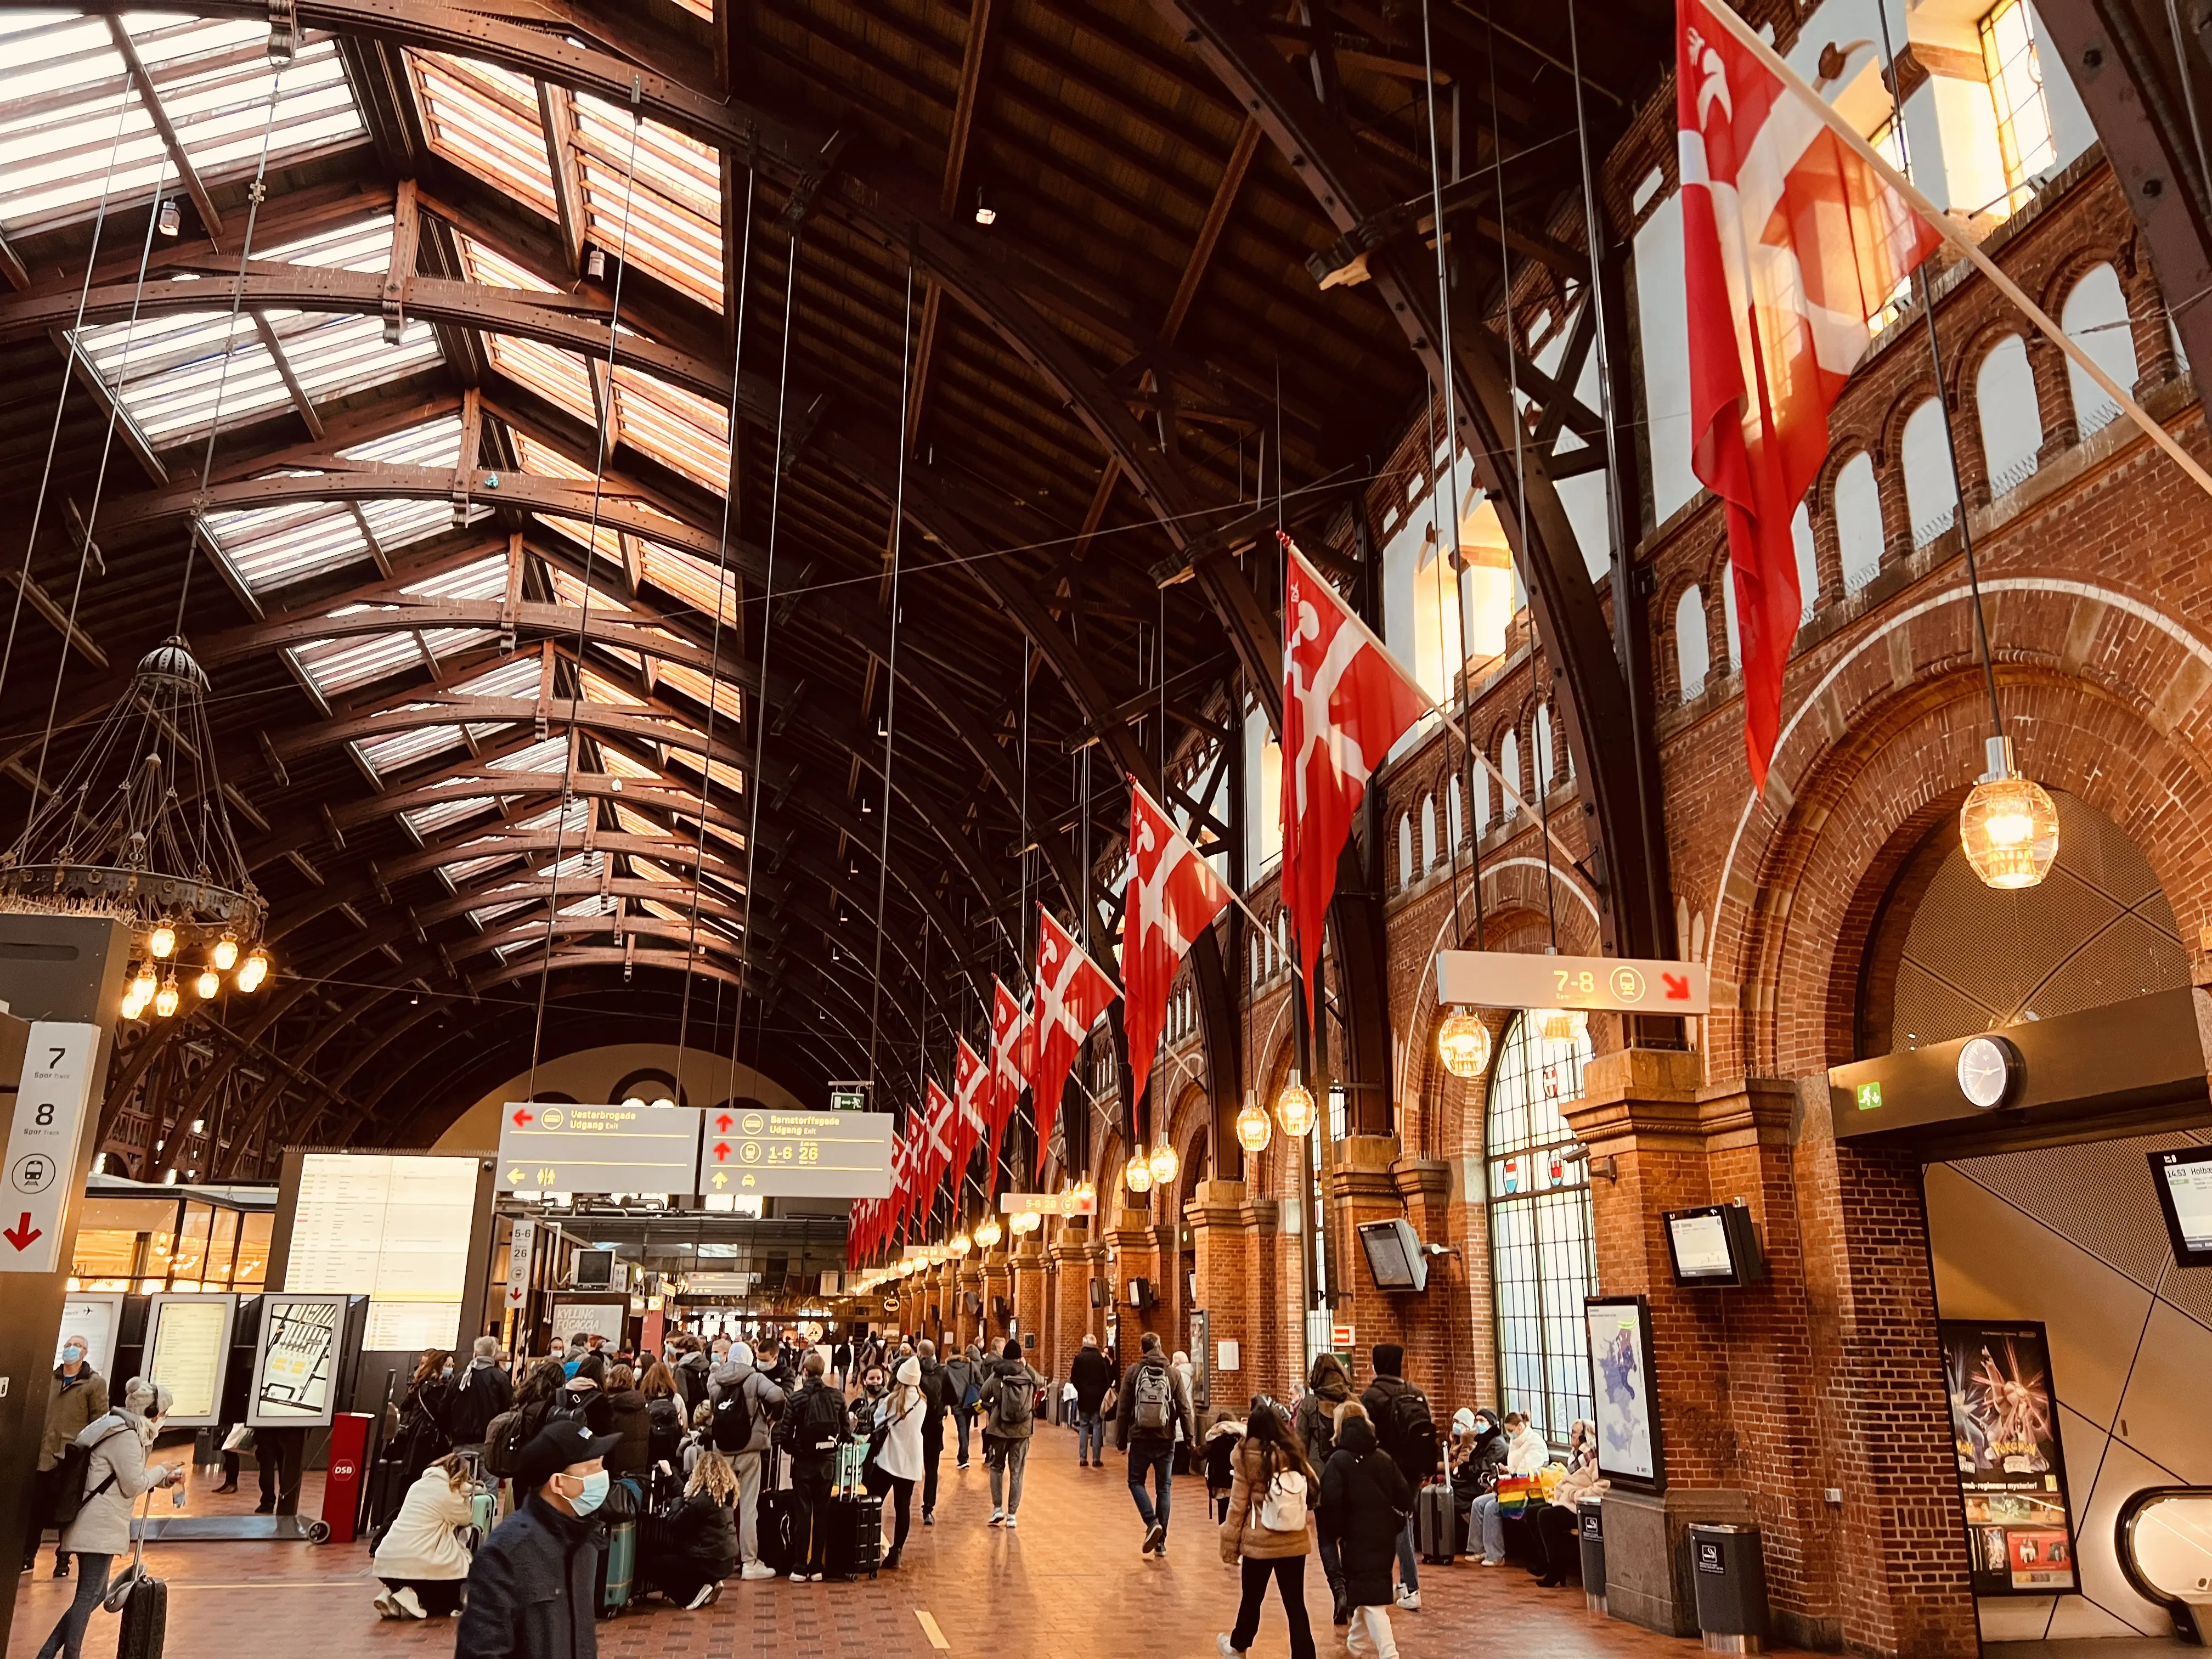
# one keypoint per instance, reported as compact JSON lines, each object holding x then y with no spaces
{"x":814,"y":1425}
{"x":505,"y":1436}
{"x":732,"y":1422}
{"x":1409,"y":1433}
{"x":664,"y":1419}
{"x":69,"y":1473}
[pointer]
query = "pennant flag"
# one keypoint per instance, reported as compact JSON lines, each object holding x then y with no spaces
{"x":1791,"y":244}
{"x":1172,"y":897}
{"x":1345,"y":701}
{"x":1072,"y":991}
{"x":936,"y":1127}
{"x":1009,"y":1046}
{"x":971,"y":1109}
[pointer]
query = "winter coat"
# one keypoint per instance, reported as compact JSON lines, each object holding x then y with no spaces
{"x":1179,"y":1414}
{"x":1527,"y":1452}
{"x":1223,"y":1442}
{"x":1328,"y":1387}
{"x":691,"y":1376}
{"x":1242,"y":1535}
{"x":118,"y":1441}
{"x":72,"y":1405}
{"x":959,"y":1378}
{"x":1364,"y":1501}
{"x":698,"y":1538}
{"x":1092,"y":1373}
{"x":480,"y":1394}
{"x":627,"y":1417}
{"x":1483,"y":1463}
{"x":665,"y":1417}
{"x":763,"y":1399}
{"x":935,"y":1400}
{"x":532,"y":1588}
{"x":1577,"y":1484}
{"x":1011,"y":1374}
{"x":421,"y":1543}
{"x":901,"y":1456}
{"x":1420,"y":1463}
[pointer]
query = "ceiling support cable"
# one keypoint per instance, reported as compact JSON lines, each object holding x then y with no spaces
{"x":890,"y":694}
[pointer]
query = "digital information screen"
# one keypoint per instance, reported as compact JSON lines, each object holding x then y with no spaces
{"x":393,"y":1229}
{"x":93,"y":1317}
{"x":188,"y":1353}
{"x":2185,"y":1195}
{"x":1701,"y":1246}
{"x":296,"y":1362}
{"x":797,"y":1154}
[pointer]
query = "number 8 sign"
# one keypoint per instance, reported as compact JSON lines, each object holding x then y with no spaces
{"x":42,"y":1144}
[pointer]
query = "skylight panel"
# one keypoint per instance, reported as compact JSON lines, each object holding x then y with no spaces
{"x":383,"y":756}
{"x":725,"y":777}
{"x":671,"y":223}
{"x":723,"y":696}
{"x":488,"y":266}
{"x":548,"y":755}
{"x":272,"y":547}
{"x":485,"y":118}
{"x":679,"y":428}
{"x":635,"y":823}
{"x":691,"y":579}
{"x":621,"y":766}
{"x":338,"y":665}
{"x":568,"y":588}
{"x":557,"y":376}
{"x":492,"y":912}
{"x":480,"y":579}
{"x":62,"y":84}
{"x":519,"y":678}
{"x":423,"y":822}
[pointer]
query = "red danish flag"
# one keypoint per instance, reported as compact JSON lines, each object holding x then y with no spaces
{"x":971,"y":1084}
{"x":1071,"y":992}
{"x":1009,"y":1044}
{"x":1172,"y":897}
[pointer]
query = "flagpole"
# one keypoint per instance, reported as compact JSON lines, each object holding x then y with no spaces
{"x":1952,"y":232}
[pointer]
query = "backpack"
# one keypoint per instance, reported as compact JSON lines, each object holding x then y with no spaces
{"x":505,"y":1435}
{"x":1013,"y":1403}
{"x":1151,"y":1394}
{"x":814,"y":1424}
{"x":70,"y":1495}
{"x":664,"y":1419}
{"x":1408,"y":1432}
{"x":733,"y":1420}
{"x":1283,"y":1509}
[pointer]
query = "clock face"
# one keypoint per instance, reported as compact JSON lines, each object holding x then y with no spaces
{"x":1985,"y":1071}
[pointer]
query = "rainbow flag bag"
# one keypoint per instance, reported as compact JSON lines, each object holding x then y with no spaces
{"x":1519,"y":1495}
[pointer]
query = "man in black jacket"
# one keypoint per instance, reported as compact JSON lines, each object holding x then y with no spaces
{"x":533,"y":1585}
{"x":479,"y":1394}
{"x":933,"y":1425}
{"x":1407,"y":1432}
{"x":1153,"y":1401}
{"x":1093,"y":1374}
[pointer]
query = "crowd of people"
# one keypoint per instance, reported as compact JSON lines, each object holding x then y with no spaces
{"x":528,"y":1500}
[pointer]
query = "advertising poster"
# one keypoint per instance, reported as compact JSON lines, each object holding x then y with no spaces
{"x":1628,"y":1447}
{"x":296,"y":1363}
{"x":2012,"y":1479}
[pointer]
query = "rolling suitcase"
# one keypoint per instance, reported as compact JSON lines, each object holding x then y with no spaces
{"x":1435,"y":1523}
{"x":618,"y":1574}
{"x":855,"y":1521}
{"x":142,"y":1601}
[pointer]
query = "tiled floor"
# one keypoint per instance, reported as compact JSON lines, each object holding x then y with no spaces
{"x":1069,"y":1584}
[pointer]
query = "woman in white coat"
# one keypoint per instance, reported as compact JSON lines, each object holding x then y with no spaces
{"x":900,"y":1414}
{"x":421,"y":1562}
{"x":114,"y":1479}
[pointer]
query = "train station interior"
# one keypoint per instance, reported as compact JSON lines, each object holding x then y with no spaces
{"x":1432,"y":771}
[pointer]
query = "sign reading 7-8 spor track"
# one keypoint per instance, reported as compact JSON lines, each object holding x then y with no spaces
{"x":1520,"y":979}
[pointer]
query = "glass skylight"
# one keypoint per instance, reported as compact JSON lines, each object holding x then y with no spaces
{"x":63,"y":86}
{"x":674,"y":217}
{"x":485,"y":118}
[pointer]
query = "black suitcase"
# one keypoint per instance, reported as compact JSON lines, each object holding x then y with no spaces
{"x":855,"y":1521}
{"x":782,"y":1537}
{"x":144,"y":1625}
{"x":1435,"y":1523}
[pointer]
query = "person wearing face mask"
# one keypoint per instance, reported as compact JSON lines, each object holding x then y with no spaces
{"x":115,"y":1473}
{"x":532,"y":1590}
{"x":78,"y":1398}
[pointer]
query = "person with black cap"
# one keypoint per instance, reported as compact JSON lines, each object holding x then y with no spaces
{"x":533,"y":1585}
{"x":1407,"y":1432}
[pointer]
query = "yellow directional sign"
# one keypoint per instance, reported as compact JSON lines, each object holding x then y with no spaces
{"x":1516,"y":978}
{"x":798,"y":1153}
{"x":599,"y":1149}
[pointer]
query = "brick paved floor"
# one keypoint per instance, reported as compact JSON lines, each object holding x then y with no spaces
{"x":1069,"y":1584}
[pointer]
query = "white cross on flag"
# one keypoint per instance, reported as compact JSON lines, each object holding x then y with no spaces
{"x":971,"y":1084}
{"x":1071,"y":992}
{"x":1346,"y":701}
{"x":902,"y":1181}
{"x":1009,"y":1050}
{"x":936,"y":1146}
{"x":1172,"y":897}
{"x":1790,"y":244}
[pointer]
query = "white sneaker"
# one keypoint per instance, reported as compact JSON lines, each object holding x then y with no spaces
{"x":998,"y":1517}
{"x":705,"y":1598}
{"x":403,"y":1599}
{"x":1409,"y":1599}
{"x":385,"y":1606}
{"x":1012,"y":1521}
{"x":799,"y":1578}
{"x":757,"y":1571}
{"x":1221,"y":1646}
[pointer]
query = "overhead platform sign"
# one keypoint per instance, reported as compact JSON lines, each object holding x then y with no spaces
{"x":768,"y":1152}
{"x":544,"y":1147}
{"x":1517,"y":979}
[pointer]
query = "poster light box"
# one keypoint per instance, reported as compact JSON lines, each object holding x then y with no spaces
{"x":1395,"y":1259}
{"x":1716,"y":1244}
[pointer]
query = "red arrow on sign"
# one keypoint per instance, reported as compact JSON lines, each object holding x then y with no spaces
{"x":1678,"y":986}
{"x":521,"y":1118}
{"x":516,"y":1295}
{"x":23,"y":1233}
{"x":721,"y":1152}
{"x":724,"y":1122}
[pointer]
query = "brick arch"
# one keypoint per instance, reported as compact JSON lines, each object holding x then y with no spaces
{"x":1815,"y":876}
{"x":1966,"y":367}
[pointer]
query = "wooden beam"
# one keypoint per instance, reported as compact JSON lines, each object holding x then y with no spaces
{"x":128,"y":50}
{"x":11,"y":266}
{"x":1209,"y":233}
{"x":964,"y":107}
{"x":556,"y":108}
{"x":1097,"y":510}
{"x":88,"y":376}
{"x":43,"y":602}
{"x":399,"y":269}
{"x":301,"y":400}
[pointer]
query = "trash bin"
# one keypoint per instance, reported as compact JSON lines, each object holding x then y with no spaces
{"x":1730,"y":1572}
{"x":1590,"y":1528}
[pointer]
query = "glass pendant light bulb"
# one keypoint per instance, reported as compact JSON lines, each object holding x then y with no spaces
{"x":165,"y":999}
{"x":1294,"y":1107}
{"x":207,"y":983}
{"x":1463,"y":1043}
{"x":225,"y":954}
{"x":1254,"y":1128}
{"x":1137,"y":1174}
{"x":988,"y":1232}
{"x":253,"y":970}
{"x":2009,"y":827}
{"x":133,"y":1005}
{"x":960,"y":1245}
{"x":162,"y":941}
{"x":142,"y":986}
{"x":1165,"y":1164}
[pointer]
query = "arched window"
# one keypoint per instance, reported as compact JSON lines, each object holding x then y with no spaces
{"x":1481,"y":801}
{"x":1508,"y":763}
{"x":1543,"y":1263}
{"x":1808,"y":567}
{"x":1858,"y":522}
{"x":1931,"y":493}
{"x":1544,"y":752}
{"x":1428,"y":833}
{"x":2095,"y":317}
{"x":1454,"y":815}
{"x":1693,"y":651}
{"x":2012,"y":425}
{"x":1405,"y":849}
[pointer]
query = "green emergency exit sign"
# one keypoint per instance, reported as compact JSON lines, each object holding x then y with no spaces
{"x":1869,"y":1097}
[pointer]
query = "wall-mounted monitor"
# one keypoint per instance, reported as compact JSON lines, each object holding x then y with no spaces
{"x":1716,"y":1244}
{"x":1100,"y":1293}
{"x":2184,"y":1179}
{"x":1140,"y":1293}
{"x":1395,"y":1255}
{"x":595,"y":1270}
{"x":94,"y":1316}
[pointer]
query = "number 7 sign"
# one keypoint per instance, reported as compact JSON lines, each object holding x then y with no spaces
{"x":37,"y":1179}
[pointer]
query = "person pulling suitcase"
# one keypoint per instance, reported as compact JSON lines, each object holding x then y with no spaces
{"x":94,"y":1509}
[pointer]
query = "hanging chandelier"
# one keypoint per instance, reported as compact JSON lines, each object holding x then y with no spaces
{"x":2009,"y":827}
{"x":1165,"y":1164}
{"x":1294,"y":1107}
{"x":1137,"y":1174}
{"x":138,"y":831}
{"x":1463,"y":1043}
{"x":1254,"y":1128}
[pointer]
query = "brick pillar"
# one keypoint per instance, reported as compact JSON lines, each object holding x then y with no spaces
{"x":1896,"y":517}
{"x":1133,"y":1248}
{"x":1266,"y":1363}
{"x":997,"y":1287}
{"x":2054,"y":397}
{"x":1067,"y":1307}
{"x":1027,"y":1276}
{"x":1437,"y":1335}
{"x":1360,"y":1187}
{"x":967,"y":1326}
{"x":1226,"y":1289}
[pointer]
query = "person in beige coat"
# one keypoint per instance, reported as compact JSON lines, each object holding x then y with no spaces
{"x":1269,"y":1529}
{"x":115,"y":1474}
